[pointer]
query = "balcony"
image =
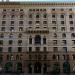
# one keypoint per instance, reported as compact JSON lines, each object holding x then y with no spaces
{"x":39,"y":30}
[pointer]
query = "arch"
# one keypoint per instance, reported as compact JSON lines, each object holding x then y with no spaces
{"x":45,"y":68}
{"x":37,"y":67}
{"x":56,"y":67}
{"x":8,"y":67}
{"x":19,"y":67}
{"x":37,"y":39}
{"x":66,"y":67}
{"x":29,"y":68}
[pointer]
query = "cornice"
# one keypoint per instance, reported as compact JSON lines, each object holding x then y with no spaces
{"x":37,"y":3}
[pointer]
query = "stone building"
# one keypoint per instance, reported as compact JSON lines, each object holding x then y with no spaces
{"x":37,"y":37}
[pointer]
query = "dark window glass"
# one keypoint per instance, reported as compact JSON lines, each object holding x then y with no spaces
{"x":19,"y":49}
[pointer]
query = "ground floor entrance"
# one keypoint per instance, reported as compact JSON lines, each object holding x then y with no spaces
{"x":37,"y":67}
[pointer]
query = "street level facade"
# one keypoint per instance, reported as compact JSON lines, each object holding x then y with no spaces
{"x":37,"y":37}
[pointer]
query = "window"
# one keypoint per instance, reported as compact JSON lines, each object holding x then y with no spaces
{"x":54,"y":28}
{"x":44,"y":49}
{"x":45,"y":16}
{"x":53,"y":9}
{"x":10,"y":35}
{"x":20,"y":28}
{"x":2,"y":28}
{"x":62,"y":22}
{"x":64,"y":42}
{"x":55,"y":35}
{"x":30,"y":49}
{"x":21,"y":9}
{"x":30,"y":15}
{"x":30,"y":22}
{"x":10,"y":42}
{"x":64,"y":57}
{"x":21,"y":16}
{"x":71,"y":22}
{"x":19,"y":35}
{"x":21,"y":22}
{"x":37,"y":39}
{"x":4,"y":10}
{"x":3,"y":22}
{"x":54,"y":42}
{"x":4,"y":16}
{"x":55,"y":49}
{"x":11,"y":28}
{"x":1,"y":49}
{"x":12,"y":16}
{"x":73,"y":57}
{"x":1,"y":35}
{"x":19,"y":42}
{"x":70,"y":16}
{"x":62,"y":28}
{"x":71,"y":28}
{"x":53,"y":15}
{"x":73,"y":35}
{"x":1,"y":58}
{"x":62,"y":16}
{"x":63,"y":35}
{"x":1,"y":42}
{"x":37,"y":22}
{"x":30,"y":57}
{"x":44,"y":22}
{"x":13,"y":10}
{"x":65,"y":49}
{"x":19,"y":49}
{"x":44,"y":40}
{"x":54,"y":57}
{"x":9,"y":49}
{"x":53,"y":22}
{"x":30,"y":40}
{"x":73,"y":42}
{"x":12,"y":22}
{"x":17,"y":57}
{"x":37,"y":49}
{"x":37,"y":16}
{"x":45,"y":57}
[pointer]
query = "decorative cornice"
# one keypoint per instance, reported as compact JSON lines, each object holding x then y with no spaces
{"x":38,"y":3}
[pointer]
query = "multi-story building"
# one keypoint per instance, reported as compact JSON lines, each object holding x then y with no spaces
{"x":37,"y":37}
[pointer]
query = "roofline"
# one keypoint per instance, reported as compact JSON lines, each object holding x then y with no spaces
{"x":39,"y":3}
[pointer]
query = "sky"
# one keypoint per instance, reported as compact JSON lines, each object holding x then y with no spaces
{"x":44,"y":0}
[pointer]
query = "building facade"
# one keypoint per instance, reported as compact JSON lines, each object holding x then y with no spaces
{"x":37,"y":37}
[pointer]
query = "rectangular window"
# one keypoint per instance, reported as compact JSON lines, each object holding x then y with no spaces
{"x":19,"y":42}
{"x":19,"y":49}
{"x":9,"y":49}
{"x":2,"y":28}
{"x":30,"y":49}
{"x":3,"y":23}
{"x":37,"y":49}
{"x":71,"y":22}
{"x":53,"y":15}
{"x":44,"y":40}
{"x":62,"y":22}
{"x":10,"y":42}
{"x":1,"y":42}
{"x":1,"y":49}
{"x":55,"y":49}
{"x":65,"y":49}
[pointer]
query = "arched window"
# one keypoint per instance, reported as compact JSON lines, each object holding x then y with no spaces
{"x":44,"y":40}
{"x":19,"y":67}
{"x":30,"y":40}
{"x":37,"y":39}
{"x":66,"y":67}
